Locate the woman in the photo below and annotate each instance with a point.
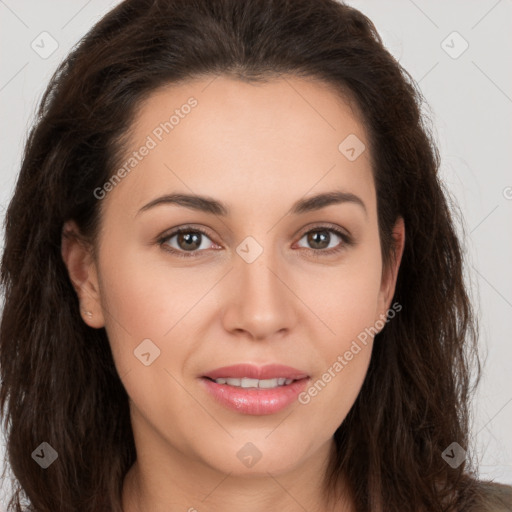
(232, 278)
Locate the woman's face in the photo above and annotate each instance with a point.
(269, 283)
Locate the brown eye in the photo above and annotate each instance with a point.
(321, 239)
(188, 240)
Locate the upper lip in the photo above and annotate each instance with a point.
(270, 371)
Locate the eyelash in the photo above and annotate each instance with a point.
(347, 241)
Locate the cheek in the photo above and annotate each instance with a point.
(328, 399)
(344, 348)
(140, 302)
(148, 297)
(345, 298)
(149, 308)
(346, 301)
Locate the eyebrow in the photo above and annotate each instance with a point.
(209, 205)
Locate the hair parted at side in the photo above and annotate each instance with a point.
(59, 383)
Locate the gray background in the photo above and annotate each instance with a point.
(470, 97)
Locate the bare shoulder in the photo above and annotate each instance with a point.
(493, 497)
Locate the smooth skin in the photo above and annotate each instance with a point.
(257, 148)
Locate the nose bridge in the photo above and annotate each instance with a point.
(261, 303)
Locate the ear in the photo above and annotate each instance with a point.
(77, 256)
(390, 274)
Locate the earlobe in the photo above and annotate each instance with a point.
(77, 256)
(389, 275)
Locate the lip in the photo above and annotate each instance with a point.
(255, 401)
(269, 371)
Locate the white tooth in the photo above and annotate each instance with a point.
(269, 383)
(249, 383)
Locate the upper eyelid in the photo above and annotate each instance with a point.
(186, 228)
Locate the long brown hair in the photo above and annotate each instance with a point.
(59, 382)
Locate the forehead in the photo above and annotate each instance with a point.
(304, 106)
(217, 133)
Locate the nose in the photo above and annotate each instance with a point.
(261, 301)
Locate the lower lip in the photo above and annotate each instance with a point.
(254, 401)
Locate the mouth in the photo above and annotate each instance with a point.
(253, 390)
